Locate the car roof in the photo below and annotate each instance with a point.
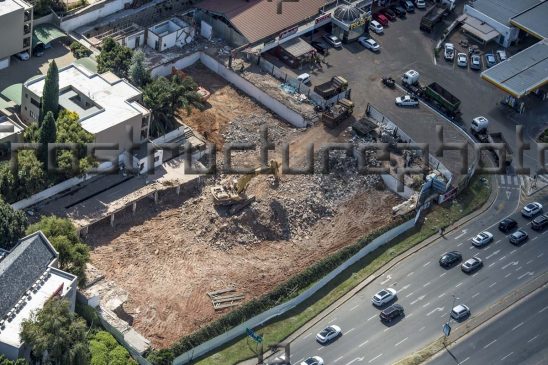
(508, 220)
(459, 308)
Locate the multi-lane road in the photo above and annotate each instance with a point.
(516, 336)
(426, 291)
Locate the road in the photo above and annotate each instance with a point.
(425, 290)
(517, 336)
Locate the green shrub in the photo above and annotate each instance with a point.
(105, 350)
(79, 50)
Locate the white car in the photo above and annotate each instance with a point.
(459, 312)
(384, 296)
(376, 27)
(502, 55)
(304, 78)
(332, 40)
(420, 4)
(328, 334)
(449, 51)
(531, 209)
(23, 56)
(407, 100)
(479, 124)
(314, 360)
(482, 239)
(462, 60)
(369, 43)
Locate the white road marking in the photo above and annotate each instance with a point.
(491, 264)
(492, 285)
(511, 252)
(489, 344)
(462, 234)
(460, 244)
(518, 269)
(408, 295)
(426, 305)
(350, 330)
(534, 238)
(459, 284)
(375, 358)
(402, 341)
(388, 278)
(428, 263)
(541, 254)
(524, 275)
(337, 359)
(386, 329)
(418, 299)
(505, 357)
(528, 262)
(543, 309)
(510, 264)
(370, 318)
(475, 295)
(493, 254)
(428, 283)
(477, 272)
(471, 247)
(411, 273)
(497, 242)
(404, 288)
(442, 275)
(507, 275)
(420, 329)
(502, 258)
(354, 307)
(408, 315)
(534, 338)
(363, 344)
(438, 309)
(360, 359)
(332, 320)
(517, 326)
(463, 361)
(308, 335)
(441, 295)
(320, 348)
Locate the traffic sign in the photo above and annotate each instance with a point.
(257, 338)
(446, 329)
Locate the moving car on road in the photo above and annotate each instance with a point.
(531, 209)
(507, 224)
(539, 222)
(384, 296)
(518, 237)
(376, 27)
(391, 313)
(332, 40)
(490, 60)
(407, 100)
(450, 259)
(328, 334)
(459, 312)
(471, 265)
(449, 51)
(462, 60)
(475, 62)
(314, 360)
(482, 239)
(369, 43)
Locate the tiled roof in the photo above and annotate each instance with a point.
(22, 267)
(258, 19)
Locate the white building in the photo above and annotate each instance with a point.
(28, 278)
(170, 33)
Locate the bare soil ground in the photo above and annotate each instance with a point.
(180, 251)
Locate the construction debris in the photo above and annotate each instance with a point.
(225, 298)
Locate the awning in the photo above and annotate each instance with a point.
(297, 47)
(13, 93)
(478, 28)
(45, 33)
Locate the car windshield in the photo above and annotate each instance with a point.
(482, 235)
(382, 293)
(530, 206)
(310, 362)
(491, 58)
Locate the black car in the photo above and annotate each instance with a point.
(507, 224)
(321, 47)
(391, 313)
(400, 12)
(539, 222)
(450, 259)
(390, 15)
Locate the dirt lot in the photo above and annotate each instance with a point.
(185, 247)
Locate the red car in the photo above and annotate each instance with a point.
(381, 19)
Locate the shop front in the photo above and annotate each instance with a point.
(349, 23)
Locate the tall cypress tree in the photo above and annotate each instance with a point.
(48, 134)
(50, 94)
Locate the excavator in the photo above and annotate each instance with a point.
(231, 192)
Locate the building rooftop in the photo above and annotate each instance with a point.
(101, 101)
(533, 20)
(522, 73)
(8, 6)
(503, 10)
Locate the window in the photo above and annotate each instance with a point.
(144, 123)
(26, 96)
(35, 102)
(33, 115)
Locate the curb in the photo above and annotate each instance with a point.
(486, 206)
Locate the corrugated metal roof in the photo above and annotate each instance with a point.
(533, 20)
(297, 47)
(503, 10)
(478, 28)
(258, 19)
(522, 73)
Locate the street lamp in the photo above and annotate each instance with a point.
(447, 326)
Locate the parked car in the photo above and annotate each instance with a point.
(314, 360)
(390, 14)
(328, 334)
(471, 265)
(332, 40)
(539, 222)
(369, 43)
(391, 313)
(450, 259)
(449, 51)
(518, 237)
(321, 47)
(507, 224)
(407, 100)
(482, 239)
(381, 19)
(459, 312)
(408, 5)
(384, 296)
(23, 56)
(462, 60)
(479, 124)
(400, 12)
(490, 60)
(304, 78)
(475, 62)
(420, 4)
(502, 55)
(376, 27)
(531, 209)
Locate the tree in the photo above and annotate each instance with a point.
(50, 93)
(114, 57)
(105, 350)
(138, 74)
(73, 254)
(79, 50)
(56, 332)
(30, 177)
(161, 357)
(4, 361)
(48, 134)
(32, 133)
(12, 225)
(69, 130)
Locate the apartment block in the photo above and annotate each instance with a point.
(15, 29)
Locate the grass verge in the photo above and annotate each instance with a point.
(441, 216)
(543, 138)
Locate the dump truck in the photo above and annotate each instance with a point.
(447, 102)
(433, 16)
(328, 89)
(338, 112)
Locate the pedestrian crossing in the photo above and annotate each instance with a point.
(512, 180)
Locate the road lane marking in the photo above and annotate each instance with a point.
(408, 315)
(493, 254)
(459, 284)
(337, 359)
(528, 262)
(420, 329)
(363, 343)
(418, 299)
(492, 285)
(370, 318)
(489, 344)
(438, 309)
(460, 244)
(386, 329)
(441, 295)
(543, 309)
(354, 307)
(517, 326)
(408, 295)
(332, 320)
(350, 330)
(541, 254)
(428, 263)
(463, 361)
(497, 242)
(507, 275)
(428, 283)
(524, 275)
(491, 264)
(471, 247)
(518, 269)
(475, 295)
(375, 358)
(477, 272)
(426, 305)
(510, 264)
(511, 252)
(534, 238)
(411, 273)
(402, 341)
(534, 338)
(388, 278)
(360, 359)
(502, 258)
(405, 287)
(505, 357)
(320, 348)
(308, 335)
(462, 234)
(442, 275)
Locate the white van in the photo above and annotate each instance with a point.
(479, 124)
(304, 78)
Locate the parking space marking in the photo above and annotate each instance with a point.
(489, 344)
(338, 358)
(375, 358)
(350, 330)
(428, 263)
(402, 341)
(354, 307)
(370, 318)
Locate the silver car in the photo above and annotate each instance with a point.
(475, 62)
(459, 312)
(471, 265)
(482, 239)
